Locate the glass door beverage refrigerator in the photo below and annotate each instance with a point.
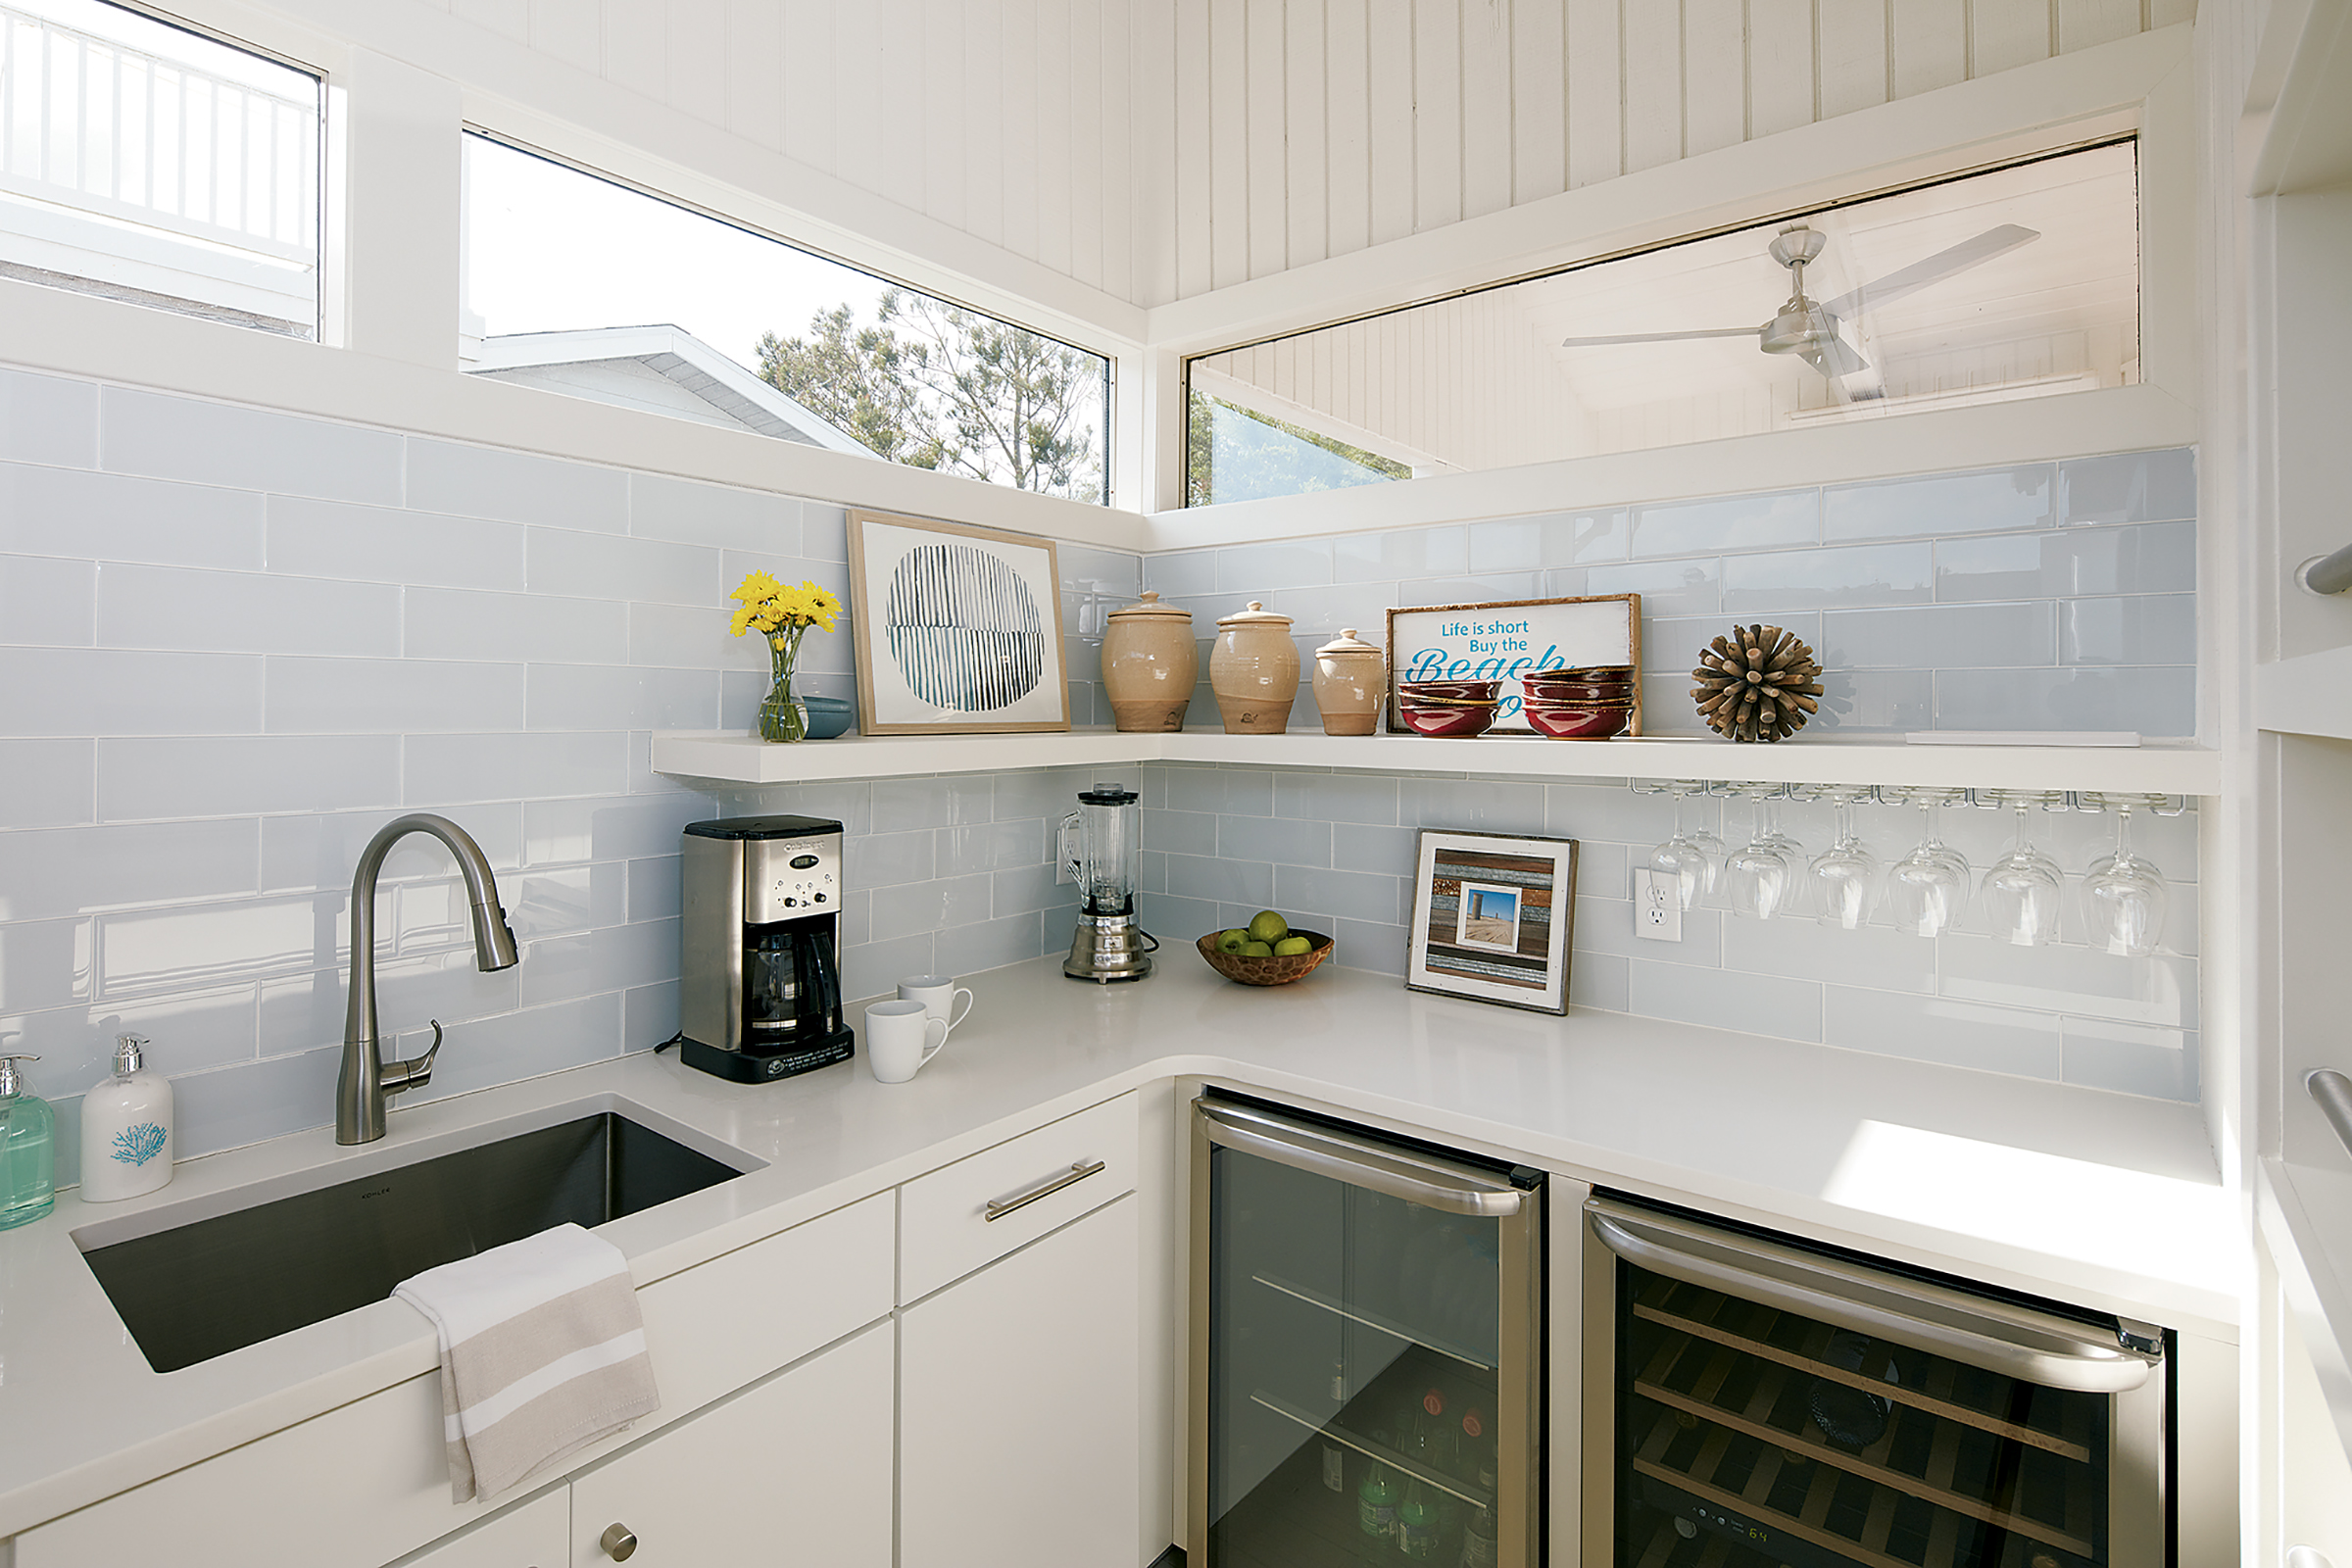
(1366, 1348)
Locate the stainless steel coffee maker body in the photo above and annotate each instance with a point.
(761, 992)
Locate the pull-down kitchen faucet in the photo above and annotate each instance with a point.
(366, 1079)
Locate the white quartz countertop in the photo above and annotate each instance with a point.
(2102, 1198)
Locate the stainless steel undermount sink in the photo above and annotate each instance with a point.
(192, 1289)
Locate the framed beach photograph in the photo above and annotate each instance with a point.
(958, 629)
(1493, 918)
(1505, 640)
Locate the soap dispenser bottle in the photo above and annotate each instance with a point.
(27, 1148)
(126, 1129)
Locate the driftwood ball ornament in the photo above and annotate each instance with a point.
(1759, 683)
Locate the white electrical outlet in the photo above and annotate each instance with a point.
(1657, 906)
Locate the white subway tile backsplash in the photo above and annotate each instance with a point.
(656, 890)
(987, 846)
(1470, 805)
(1369, 945)
(1365, 847)
(1337, 797)
(1986, 502)
(47, 418)
(108, 516)
(2141, 629)
(1499, 587)
(268, 1098)
(385, 544)
(48, 963)
(105, 691)
(2132, 487)
(824, 532)
(637, 697)
(1274, 840)
(1827, 579)
(1305, 890)
(453, 623)
(610, 958)
(391, 695)
(1443, 552)
(2144, 558)
(946, 799)
(47, 602)
(1019, 889)
(519, 1044)
(689, 513)
(239, 611)
(321, 849)
(649, 1016)
(1862, 702)
(437, 770)
(560, 901)
(626, 828)
(1939, 636)
(1739, 522)
(1604, 923)
(595, 566)
(1796, 945)
(481, 481)
(2158, 701)
(1720, 998)
(190, 1030)
(166, 437)
(1937, 1029)
(144, 952)
(144, 777)
(2132, 1059)
(51, 872)
(2062, 978)
(1688, 587)
(873, 860)
(935, 905)
(1220, 881)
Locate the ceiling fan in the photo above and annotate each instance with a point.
(1809, 329)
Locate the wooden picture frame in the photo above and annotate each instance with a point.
(1493, 918)
(958, 629)
(1470, 642)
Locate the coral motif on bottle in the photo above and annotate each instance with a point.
(137, 1144)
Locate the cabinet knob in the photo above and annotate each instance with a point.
(620, 1542)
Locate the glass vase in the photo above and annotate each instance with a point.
(783, 717)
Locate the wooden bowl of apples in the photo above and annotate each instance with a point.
(1268, 952)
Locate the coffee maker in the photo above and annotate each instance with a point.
(1097, 846)
(760, 992)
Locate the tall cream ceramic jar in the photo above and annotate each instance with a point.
(1350, 679)
(1253, 669)
(1149, 665)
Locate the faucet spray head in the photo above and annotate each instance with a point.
(493, 938)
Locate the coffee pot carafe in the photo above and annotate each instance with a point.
(761, 992)
(1097, 846)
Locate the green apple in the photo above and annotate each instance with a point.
(1231, 940)
(1289, 947)
(1257, 950)
(1268, 928)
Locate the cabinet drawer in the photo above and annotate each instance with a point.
(944, 1227)
(364, 1483)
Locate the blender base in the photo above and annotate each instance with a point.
(1105, 949)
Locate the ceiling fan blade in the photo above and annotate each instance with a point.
(1658, 337)
(1834, 357)
(1943, 264)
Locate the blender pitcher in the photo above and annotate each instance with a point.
(1097, 844)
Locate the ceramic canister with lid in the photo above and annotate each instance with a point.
(1351, 680)
(1149, 665)
(1253, 669)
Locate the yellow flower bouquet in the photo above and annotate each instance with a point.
(783, 616)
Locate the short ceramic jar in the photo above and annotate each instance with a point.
(1253, 669)
(1350, 681)
(1149, 665)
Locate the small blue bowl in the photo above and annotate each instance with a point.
(829, 716)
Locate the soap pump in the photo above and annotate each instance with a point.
(27, 1148)
(126, 1129)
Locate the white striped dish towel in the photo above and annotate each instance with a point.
(542, 1352)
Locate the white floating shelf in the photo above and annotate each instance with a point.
(732, 758)
(2307, 696)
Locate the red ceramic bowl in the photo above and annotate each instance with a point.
(1449, 691)
(1448, 721)
(1573, 722)
(1554, 689)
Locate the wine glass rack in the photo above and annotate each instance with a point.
(1983, 800)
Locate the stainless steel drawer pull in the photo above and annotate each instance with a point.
(2333, 1093)
(1080, 1170)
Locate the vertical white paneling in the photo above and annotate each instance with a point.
(1229, 142)
(1437, 112)
(944, 115)
(1927, 44)
(857, 156)
(2166, 13)
(896, 124)
(1780, 65)
(1347, 146)
(1595, 92)
(1539, 99)
(1049, 92)
(509, 18)
(754, 72)
(698, 59)
(1851, 54)
(984, 121)
(2084, 22)
(1262, 47)
(1195, 256)
(1016, 113)
(1714, 74)
(1390, 94)
(2003, 34)
(1086, 142)
(1139, 47)
(569, 31)
(1305, 117)
(1488, 130)
(1653, 85)
(636, 49)
(809, 81)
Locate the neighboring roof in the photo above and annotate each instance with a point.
(660, 367)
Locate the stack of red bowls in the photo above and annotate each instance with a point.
(1449, 710)
(1579, 705)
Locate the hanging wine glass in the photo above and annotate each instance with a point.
(1844, 875)
(1756, 879)
(1926, 889)
(2124, 903)
(1680, 857)
(2020, 893)
(1786, 843)
(1710, 843)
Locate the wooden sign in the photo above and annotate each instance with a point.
(1512, 638)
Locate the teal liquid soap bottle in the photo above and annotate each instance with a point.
(27, 1148)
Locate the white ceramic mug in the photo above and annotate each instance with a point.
(937, 992)
(900, 1039)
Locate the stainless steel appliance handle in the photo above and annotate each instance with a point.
(1999, 1335)
(1080, 1170)
(1396, 1172)
(2333, 1093)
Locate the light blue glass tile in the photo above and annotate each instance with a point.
(1471, 806)
(1205, 876)
(2131, 487)
(1402, 553)
(1181, 572)
(1598, 982)
(1555, 539)
(1689, 587)
(1939, 636)
(1937, 1029)
(1255, 569)
(2161, 1063)
(989, 945)
(254, 1100)
(2146, 559)
(1336, 796)
(1674, 643)
(1370, 944)
(1939, 503)
(2157, 701)
(2140, 630)
(1367, 846)
(1761, 1004)
(1361, 894)
(2079, 982)
(1823, 579)
(1500, 588)
(1733, 523)
(1277, 839)
(1876, 701)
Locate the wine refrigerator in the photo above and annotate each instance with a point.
(1366, 1348)
(1753, 1400)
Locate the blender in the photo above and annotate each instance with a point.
(1107, 945)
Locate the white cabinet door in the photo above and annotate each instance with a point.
(537, 1534)
(794, 1473)
(1019, 1407)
